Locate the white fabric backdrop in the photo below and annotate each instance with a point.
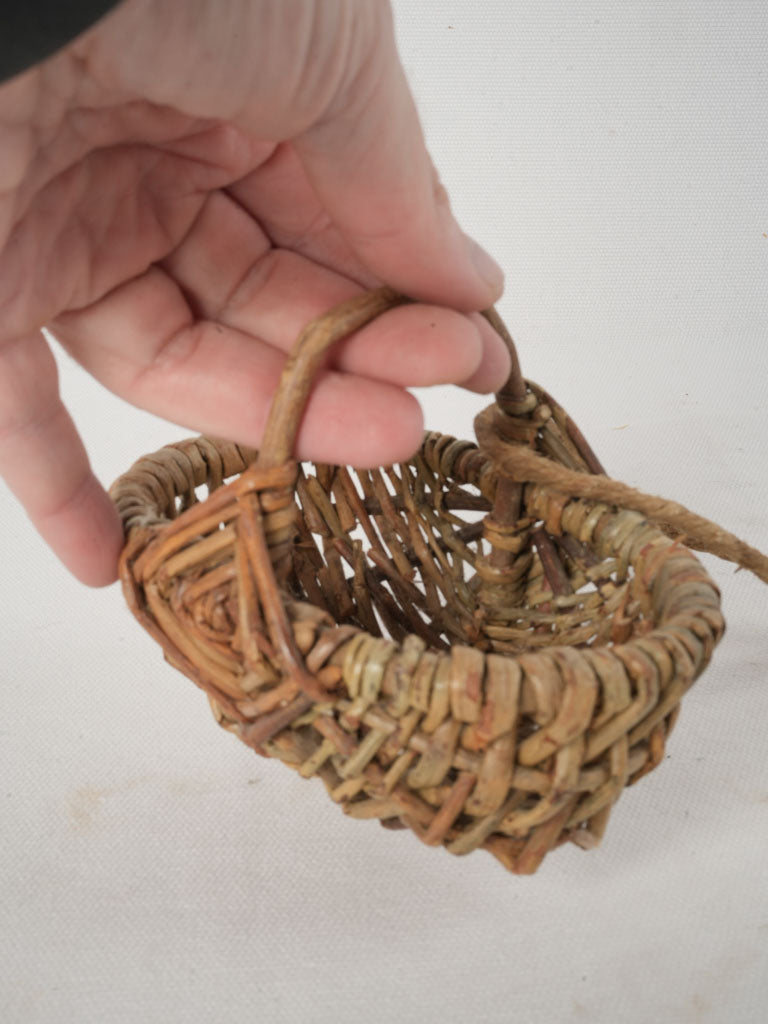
(614, 159)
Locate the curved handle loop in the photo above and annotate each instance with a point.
(306, 359)
(515, 388)
(304, 363)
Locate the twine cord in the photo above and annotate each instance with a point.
(523, 465)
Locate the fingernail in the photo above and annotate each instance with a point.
(487, 269)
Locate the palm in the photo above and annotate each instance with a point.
(118, 208)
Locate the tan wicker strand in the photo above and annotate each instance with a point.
(483, 645)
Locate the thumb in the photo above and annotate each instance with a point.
(368, 162)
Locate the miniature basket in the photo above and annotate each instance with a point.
(465, 645)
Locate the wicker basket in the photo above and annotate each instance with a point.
(450, 645)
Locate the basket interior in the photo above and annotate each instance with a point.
(411, 549)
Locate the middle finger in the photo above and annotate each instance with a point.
(231, 274)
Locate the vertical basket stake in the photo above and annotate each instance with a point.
(508, 501)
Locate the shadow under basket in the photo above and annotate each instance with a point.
(453, 645)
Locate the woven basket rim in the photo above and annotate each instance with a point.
(219, 460)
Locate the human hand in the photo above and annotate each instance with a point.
(181, 190)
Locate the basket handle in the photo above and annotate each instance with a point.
(306, 358)
(515, 388)
(305, 361)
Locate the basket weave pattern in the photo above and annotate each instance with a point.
(485, 661)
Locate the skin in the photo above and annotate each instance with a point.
(181, 189)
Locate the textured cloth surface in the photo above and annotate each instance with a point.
(32, 31)
(612, 157)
